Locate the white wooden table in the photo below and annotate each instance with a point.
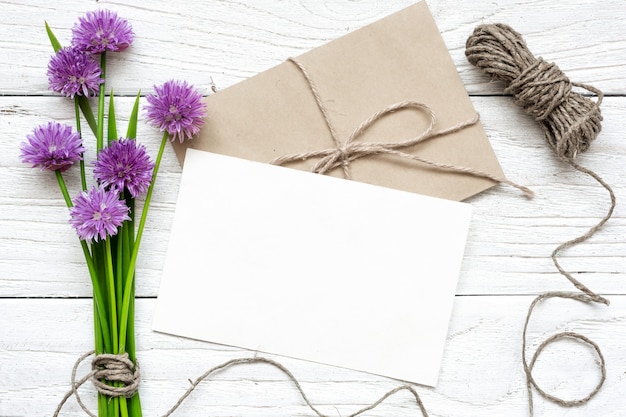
(45, 304)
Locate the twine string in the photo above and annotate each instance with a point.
(342, 154)
(570, 122)
(114, 368)
(120, 360)
(528, 366)
(579, 285)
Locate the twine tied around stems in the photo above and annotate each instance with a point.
(105, 367)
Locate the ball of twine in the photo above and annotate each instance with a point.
(570, 120)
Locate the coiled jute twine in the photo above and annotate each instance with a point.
(570, 122)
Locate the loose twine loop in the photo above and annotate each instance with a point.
(342, 154)
(570, 122)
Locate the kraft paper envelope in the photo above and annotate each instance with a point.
(338, 272)
(401, 57)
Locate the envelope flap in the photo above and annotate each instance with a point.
(401, 57)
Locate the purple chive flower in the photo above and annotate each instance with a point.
(176, 107)
(53, 146)
(124, 164)
(73, 72)
(102, 30)
(98, 213)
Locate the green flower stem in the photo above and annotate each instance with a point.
(83, 180)
(110, 278)
(63, 188)
(101, 93)
(135, 406)
(99, 297)
(120, 247)
(122, 254)
(102, 399)
(133, 258)
(128, 245)
(130, 325)
(112, 126)
(85, 107)
(103, 403)
(123, 404)
(97, 331)
(97, 291)
(134, 402)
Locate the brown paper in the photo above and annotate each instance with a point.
(401, 57)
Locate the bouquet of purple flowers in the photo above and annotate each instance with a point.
(103, 213)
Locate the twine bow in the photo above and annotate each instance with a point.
(342, 154)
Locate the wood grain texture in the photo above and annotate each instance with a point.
(229, 41)
(481, 373)
(45, 308)
(508, 251)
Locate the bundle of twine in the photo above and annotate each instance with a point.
(570, 122)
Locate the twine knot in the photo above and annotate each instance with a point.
(570, 121)
(338, 157)
(115, 368)
(343, 153)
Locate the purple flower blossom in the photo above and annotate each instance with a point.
(124, 164)
(98, 213)
(72, 72)
(102, 30)
(53, 146)
(177, 108)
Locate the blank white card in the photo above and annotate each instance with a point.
(277, 260)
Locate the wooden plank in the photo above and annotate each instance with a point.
(230, 41)
(511, 238)
(481, 374)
